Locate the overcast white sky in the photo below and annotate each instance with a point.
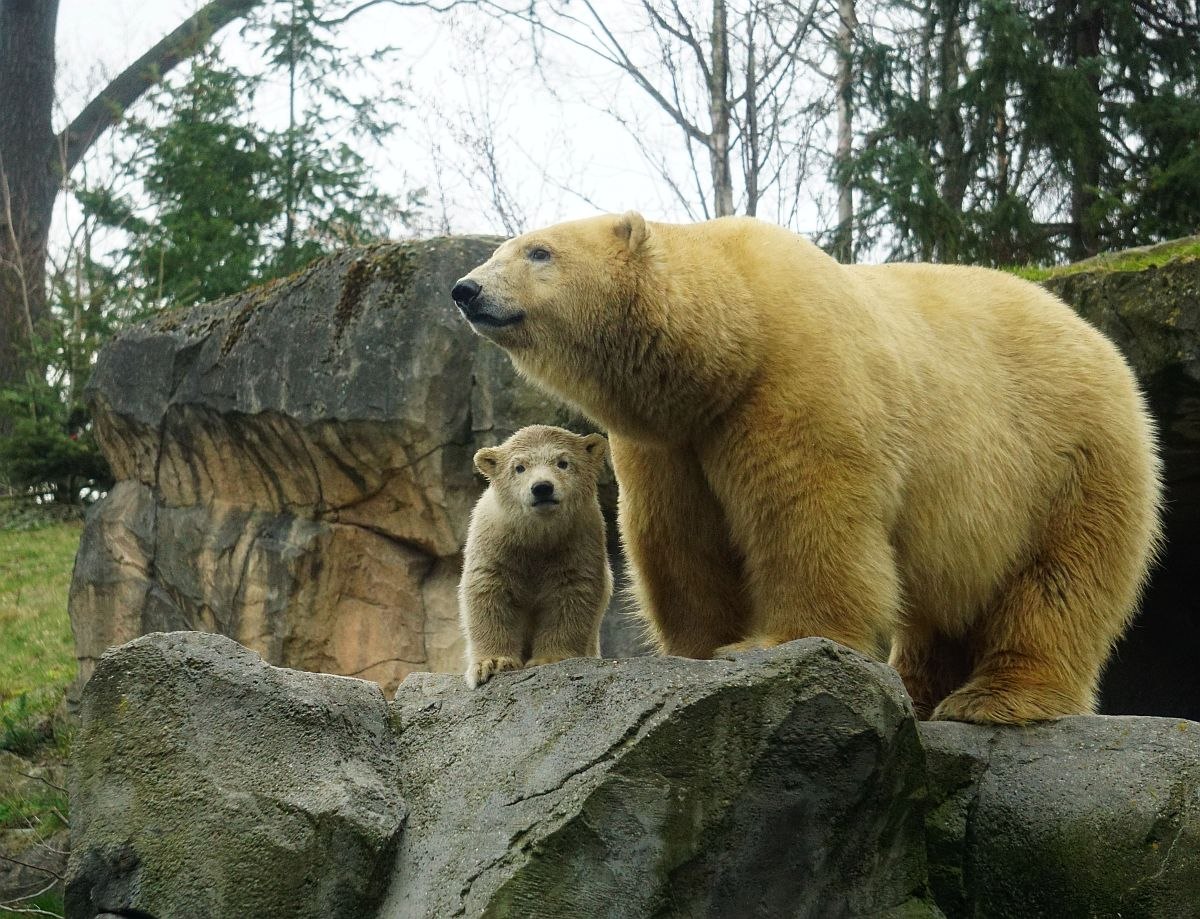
(563, 156)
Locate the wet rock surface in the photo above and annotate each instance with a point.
(788, 783)
(1086, 816)
(207, 783)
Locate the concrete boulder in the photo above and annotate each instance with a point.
(780, 784)
(1083, 817)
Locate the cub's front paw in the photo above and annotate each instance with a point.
(548, 659)
(480, 671)
(741, 647)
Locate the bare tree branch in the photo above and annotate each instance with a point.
(147, 71)
(432, 5)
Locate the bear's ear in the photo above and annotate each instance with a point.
(595, 446)
(487, 460)
(631, 227)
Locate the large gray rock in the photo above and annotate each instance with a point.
(778, 785)
(205, 783)
(1083, 817)
(294, 467)
(786, 783)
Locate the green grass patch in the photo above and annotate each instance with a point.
(50, 904)
(35, 631)
(1178, 250)
(37, 662)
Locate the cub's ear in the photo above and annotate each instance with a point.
(596, 447)
(631, 227)
(487, 461)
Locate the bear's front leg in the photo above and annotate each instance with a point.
(684, 572)
(808, 516)
(495, 626)
(569, 622)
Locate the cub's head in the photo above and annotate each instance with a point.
(553, 288)
(543, 470)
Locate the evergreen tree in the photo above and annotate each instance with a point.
(207, 179)
(1001, 131)
(222, 202)
(209, 202)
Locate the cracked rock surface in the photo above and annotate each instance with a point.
(788, 783)
(294, 467)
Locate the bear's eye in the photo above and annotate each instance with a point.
(538, 254)
(563, 464)
(520, 468)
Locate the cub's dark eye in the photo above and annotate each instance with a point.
(563, 464)
(538, 254)
(520, 468)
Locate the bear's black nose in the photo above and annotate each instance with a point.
(543, 490)
(465, 291)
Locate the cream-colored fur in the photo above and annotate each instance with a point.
(945, 457)
(536, 578)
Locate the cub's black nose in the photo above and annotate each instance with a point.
(542, 490)
(465, 291)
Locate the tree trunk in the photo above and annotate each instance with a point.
(752, 155)
(33, 160)
(843, 246)
(287, 256)
(718, 106)
(28, 178)
(955, 174)
(1085, 179)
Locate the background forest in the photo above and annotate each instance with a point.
(996, 132)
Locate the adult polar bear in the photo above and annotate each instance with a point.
(944, 456)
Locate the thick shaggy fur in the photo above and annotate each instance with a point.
(945, 458)
(536, 578)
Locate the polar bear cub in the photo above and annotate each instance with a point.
(536, 578)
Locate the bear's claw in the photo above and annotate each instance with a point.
(480, 671)
(741, 647)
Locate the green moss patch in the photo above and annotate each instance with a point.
(1140, 259)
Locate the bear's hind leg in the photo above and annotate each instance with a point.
(1041, 647)
(931, 664)
(1033, 664)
